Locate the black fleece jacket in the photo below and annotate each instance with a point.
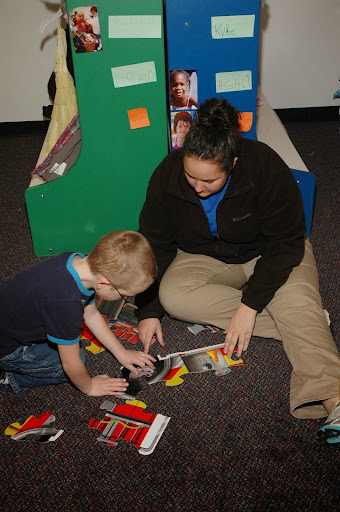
(260, 214)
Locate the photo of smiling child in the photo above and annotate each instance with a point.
(183, 89)
(181, 124)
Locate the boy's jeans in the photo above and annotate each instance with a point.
(34, 365)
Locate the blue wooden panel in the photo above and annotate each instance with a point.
(306, 182)
(190, 46)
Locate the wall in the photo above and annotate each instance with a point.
(299, 55)
(27, 58)
(299, 52)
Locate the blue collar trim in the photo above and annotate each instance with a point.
(75, 275)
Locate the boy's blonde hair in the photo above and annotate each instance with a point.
(125, 258)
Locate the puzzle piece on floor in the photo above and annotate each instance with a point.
(196, 328)
(110, 309)
(95, 346)
(122, 331)
(131, 423)
(38, 426)
(119, 310)
(172, 367)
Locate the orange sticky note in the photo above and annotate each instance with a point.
(138, 118)
(245, 121)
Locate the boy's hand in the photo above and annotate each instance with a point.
(104, 385)
(149, 331)
(129, 358)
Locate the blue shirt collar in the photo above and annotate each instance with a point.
(75, 275)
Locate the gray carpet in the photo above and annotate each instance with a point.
(231, 443)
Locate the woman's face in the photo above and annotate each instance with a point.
(179, 85)
(206, 177)
(183, 127)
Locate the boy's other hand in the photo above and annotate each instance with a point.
(150, 331)
(129, 358)
(104, 385)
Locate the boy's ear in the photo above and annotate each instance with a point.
(101, 282)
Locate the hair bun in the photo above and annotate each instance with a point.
(219, 114)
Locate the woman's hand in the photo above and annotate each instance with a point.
(239, 330)
(129, 358)
(102, 385)
(149, 331)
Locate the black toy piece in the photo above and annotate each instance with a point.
(144, 378)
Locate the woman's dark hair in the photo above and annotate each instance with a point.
(216, 134)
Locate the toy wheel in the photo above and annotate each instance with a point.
(161, 370)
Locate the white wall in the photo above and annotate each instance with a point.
(26, 58)
(300, 52)
(299, 55)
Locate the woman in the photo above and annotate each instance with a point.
(224, 212)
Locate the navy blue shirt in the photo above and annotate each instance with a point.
(44, 302)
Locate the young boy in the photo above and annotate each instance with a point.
(43, 307)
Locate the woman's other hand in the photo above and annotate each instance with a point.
(239, 330)
(150, 331)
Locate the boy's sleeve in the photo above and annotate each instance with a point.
(62, 321)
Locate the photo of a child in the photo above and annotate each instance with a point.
(181, 124)
(85, 29)
(183, 89)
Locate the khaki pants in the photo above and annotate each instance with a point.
(201, 289)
